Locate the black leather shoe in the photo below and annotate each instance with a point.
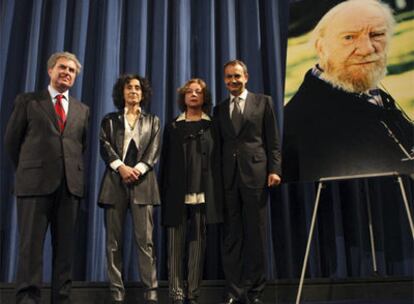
(231, 301)
(178, 301)
(256, 301)
(192, 301)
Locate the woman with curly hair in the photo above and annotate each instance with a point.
(129, 146)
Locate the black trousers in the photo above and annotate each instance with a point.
(34, 214)
(244, 241)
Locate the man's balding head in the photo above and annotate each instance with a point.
(351, 41)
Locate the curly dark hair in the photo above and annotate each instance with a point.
(207, 104)
(118, 90)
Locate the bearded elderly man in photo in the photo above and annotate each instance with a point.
(340, 123)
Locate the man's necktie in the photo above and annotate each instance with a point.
(131, 155)
(236, 115)
(61, 115)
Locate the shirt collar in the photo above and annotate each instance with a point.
(317, 71)
(181, 117)
(126, 110)
(53, 92)
(242, 96)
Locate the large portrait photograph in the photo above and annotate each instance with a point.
(349, 98)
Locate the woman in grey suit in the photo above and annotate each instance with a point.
(130, 146)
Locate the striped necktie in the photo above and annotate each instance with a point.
(61, 115)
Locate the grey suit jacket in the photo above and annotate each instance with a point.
(42, 156)
(255, 150)
(111, 137)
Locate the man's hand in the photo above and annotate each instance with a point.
(129, 174)
(273, 180)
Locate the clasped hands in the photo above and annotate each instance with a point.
(129, 174)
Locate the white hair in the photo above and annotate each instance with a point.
(325, 23)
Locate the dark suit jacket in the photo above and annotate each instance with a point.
(329, 132)
(40, 153)
(255, 150)
(111, 147)
(173, 176)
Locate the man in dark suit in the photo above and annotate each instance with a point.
(250, 161)
(45, 138)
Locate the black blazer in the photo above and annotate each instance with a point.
(256, 149)
(173, 175)
(40, 153)
(111, 140)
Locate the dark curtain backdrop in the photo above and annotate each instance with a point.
(170, 42)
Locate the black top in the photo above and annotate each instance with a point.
(193, 154)
(198, 141)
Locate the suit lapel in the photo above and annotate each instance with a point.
(249, 107)
(119, 131)
(71, 115)
(47, 105)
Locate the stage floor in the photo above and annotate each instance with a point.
(377, 290)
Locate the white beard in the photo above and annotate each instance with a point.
(354, 79)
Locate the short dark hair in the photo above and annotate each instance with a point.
(236, 62)
(118, 90)
(207, 102)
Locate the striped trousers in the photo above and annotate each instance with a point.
(186, 244)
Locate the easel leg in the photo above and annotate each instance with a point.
(407, 207)
(370, 227)
(312, 226)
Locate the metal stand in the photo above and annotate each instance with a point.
(315, 211)
(312, 226)
(371, 229)
(407, 207)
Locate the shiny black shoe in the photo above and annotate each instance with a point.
(256, 301)
(231, 301)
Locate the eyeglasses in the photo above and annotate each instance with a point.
(190, 91)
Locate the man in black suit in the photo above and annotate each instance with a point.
(45, 138)
(250, 161)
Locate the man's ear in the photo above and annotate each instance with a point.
(319, 47)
